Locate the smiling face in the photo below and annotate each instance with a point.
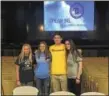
(67, 45)
(42, 47)
(57, 39)
(26, 50)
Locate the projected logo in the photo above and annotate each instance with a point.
(76, 10)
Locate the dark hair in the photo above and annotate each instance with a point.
(73, 49)
(46, 52)
(57, 34)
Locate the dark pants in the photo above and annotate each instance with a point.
(73, 87)
(43, 86)
(27, 84)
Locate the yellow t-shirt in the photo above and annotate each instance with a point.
(58, 64)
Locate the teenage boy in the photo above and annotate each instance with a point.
(58, 64)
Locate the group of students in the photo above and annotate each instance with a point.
(58, 67)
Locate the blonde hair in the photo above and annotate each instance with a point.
(21, 56)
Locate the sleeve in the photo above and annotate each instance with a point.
(48, 59)
(17, 62)
(79, 59)
(36, 57)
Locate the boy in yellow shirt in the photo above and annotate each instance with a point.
(58, 65)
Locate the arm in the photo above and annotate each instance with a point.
(17, 76)
(79, 60)
(17, 72)
(79, 70)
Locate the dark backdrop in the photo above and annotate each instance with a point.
(17, 16)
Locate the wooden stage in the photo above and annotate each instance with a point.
(95, 74)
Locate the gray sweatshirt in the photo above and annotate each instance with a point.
(73, 66)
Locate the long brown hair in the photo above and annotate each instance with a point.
(75, 53)
(46, 52)
(22, 54)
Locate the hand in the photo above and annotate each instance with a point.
(48, 60)
(18, 83)
(77, 81)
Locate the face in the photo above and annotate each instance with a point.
(26, 49)
(57, 39)
(42, 47)
(67, 45)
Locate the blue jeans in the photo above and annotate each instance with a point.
(43, 86)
